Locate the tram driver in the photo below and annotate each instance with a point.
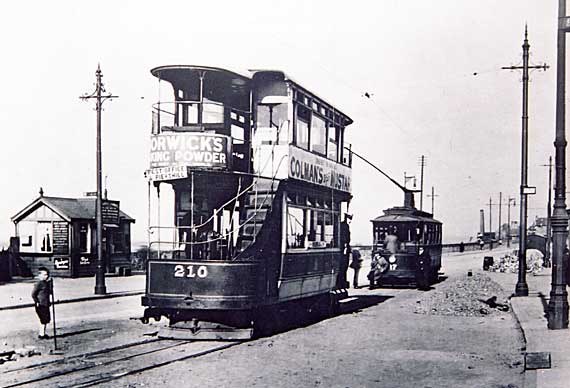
(345, 247)
(392, 243)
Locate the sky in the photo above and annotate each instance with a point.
(432, 71)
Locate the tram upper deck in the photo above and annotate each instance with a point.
(219, 119)
(246, 152)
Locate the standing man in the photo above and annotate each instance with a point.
(356, 264)
(345, 247)
(41, 296)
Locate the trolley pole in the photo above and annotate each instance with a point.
(521, 289)
(558, 304)
(100, 288)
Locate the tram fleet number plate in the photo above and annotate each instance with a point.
(190, 271)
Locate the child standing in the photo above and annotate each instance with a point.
(41, 295)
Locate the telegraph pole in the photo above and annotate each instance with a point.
(513, 200)
(422, 164)
(490, 215)
(100, 288)
(500, 203)
(521, 288)
(547, 262)
(433, 195)
(558, 304)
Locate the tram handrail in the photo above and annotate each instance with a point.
(258, 177)
(256, 209)
(204, 223)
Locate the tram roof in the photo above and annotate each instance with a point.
(405, 214)
(239, 80)
(298, 85)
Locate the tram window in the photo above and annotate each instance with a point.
(271, 116)
(213, 112)
(329, 228)
(318, 135)
(237, 134)
(332, 148)
(302, 128)
(295, 227)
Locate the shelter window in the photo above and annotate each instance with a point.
(45, 236)
(302, 127)
(318, 135)
(84, 239)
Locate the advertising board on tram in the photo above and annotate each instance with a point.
(190, 149)
(318, 170)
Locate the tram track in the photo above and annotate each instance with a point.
(89, 369)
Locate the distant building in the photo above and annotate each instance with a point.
(60, 234)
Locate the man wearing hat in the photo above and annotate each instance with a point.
(345, 247)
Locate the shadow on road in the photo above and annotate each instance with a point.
(296, 316)
(357, 303)
(78, 332)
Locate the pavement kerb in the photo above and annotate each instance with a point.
(79, 299)
(514, 309)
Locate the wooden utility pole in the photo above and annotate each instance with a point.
(500, 203)
(521, 288)
(490, 215)
(432, 196)
(513, 200)
(100, 288)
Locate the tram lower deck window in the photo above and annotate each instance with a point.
(311, 228)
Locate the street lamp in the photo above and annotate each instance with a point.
(558, 303)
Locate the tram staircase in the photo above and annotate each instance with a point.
(257, 207)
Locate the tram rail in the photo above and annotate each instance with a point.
(93, 368)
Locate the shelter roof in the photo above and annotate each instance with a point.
(67, 208)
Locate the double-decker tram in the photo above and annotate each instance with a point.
(408, 241)
(259, 175)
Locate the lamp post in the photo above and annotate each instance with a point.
(558, 303)
(100, 288)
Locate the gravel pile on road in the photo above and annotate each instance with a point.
(470, 296)
(510, 262)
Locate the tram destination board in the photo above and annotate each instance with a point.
(168, 173)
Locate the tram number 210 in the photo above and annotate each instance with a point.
(189, 271)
